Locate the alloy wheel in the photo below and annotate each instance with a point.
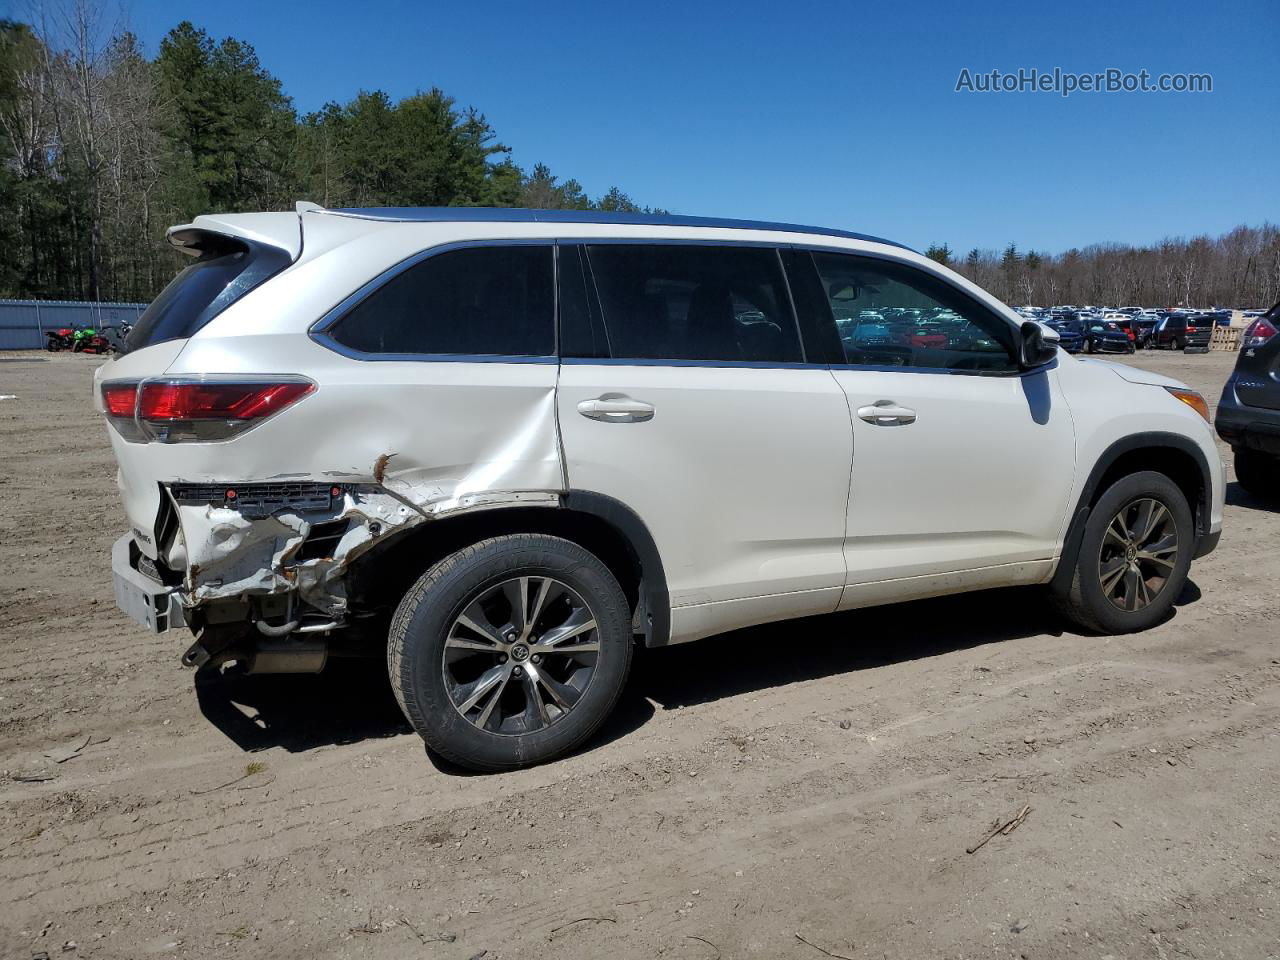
(520, 655)
(1138, 555)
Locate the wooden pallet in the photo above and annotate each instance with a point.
(1225, 338)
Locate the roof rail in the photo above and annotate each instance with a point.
(521, 215)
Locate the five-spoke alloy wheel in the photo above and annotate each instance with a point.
(1134, 555)
(511, 651)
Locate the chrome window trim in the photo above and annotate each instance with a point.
(317, 331)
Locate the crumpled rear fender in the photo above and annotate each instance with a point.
(226, 552)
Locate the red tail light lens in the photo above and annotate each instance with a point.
(205, 400)
(119, 399)
(1259, 332)
(197, 409)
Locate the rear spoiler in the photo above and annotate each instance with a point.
(223, 232)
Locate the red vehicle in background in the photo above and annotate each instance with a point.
(926, 335)
(1123, 321)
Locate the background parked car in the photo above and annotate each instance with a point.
(1070, 334)
(1181, 330)
(1249, 411)
(1144, 326)
(1125, 323)
(1106, 337)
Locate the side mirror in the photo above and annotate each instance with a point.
(1036, 346)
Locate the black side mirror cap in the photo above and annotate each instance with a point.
(1035, 348)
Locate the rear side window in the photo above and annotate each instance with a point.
(475, 301)
(694, 302)
(224, 272)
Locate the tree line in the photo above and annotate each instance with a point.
(103, 148)
(1239, 269)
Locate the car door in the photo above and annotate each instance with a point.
(684, 393)
(962, 464)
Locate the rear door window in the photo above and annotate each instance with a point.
(695, 302)
(474, 301)
(227, 270)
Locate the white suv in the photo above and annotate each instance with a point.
(507, 444)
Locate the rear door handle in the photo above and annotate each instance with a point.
(616, 408)
(886, 413)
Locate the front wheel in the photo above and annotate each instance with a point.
(510, 652)
(1134, 557)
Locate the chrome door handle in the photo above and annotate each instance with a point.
(886, 413)
(615, 408)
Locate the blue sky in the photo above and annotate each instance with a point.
(840, 114)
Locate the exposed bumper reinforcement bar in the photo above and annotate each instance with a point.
(155, 606)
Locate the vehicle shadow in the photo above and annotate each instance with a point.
(794, 651)
(348, 703)
(1238, 496)
(352, 701)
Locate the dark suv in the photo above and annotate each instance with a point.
(1249, 411)
(1181, 330)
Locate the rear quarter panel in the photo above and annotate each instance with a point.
(139, 490)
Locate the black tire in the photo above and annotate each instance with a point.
(422, 622)
(1085, 602)
(1258, 473)
(1179, 343)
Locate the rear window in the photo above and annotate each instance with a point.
(221, 276)
(474, 301)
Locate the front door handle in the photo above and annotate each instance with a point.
(886, 413)
(616, 408)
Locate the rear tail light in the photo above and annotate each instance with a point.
(119, 402)
(1259, 332)
(119, 399)
(197, 409)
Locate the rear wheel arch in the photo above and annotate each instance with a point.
(1171, 454)
(600, 524)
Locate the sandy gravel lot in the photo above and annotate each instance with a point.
(795, 791)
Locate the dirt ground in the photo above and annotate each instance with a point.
(796, 791)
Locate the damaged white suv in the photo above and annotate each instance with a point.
(505, 446)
